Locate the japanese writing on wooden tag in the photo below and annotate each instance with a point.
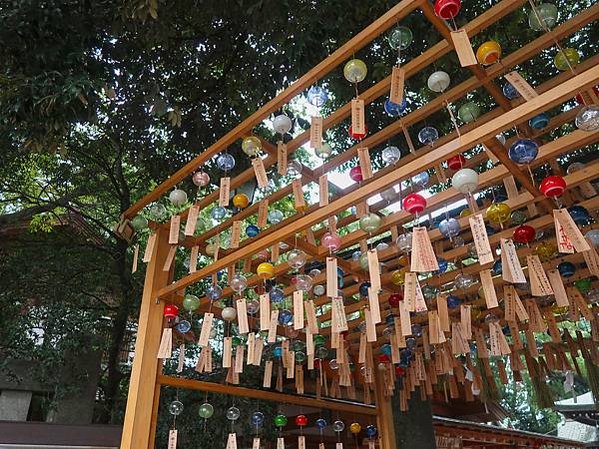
(521, 85)
(569, 237)
(262, 213)
(232, 441)
(365, 163)
(539, 284)
(235, 234)
(316, 129)
(323, 187)
(423, 256)
(264, 311)
(172, 439)
(481, 240)
(398, 77)
(260, 172)
(267, 378)
(193, 259)
(511, 268)
(591, 258)
(358, 121)
(489, 289)
(311, 317)
(227, 352)
(206, 329)
(224, 192)
(298, 194)
(298, 309)
(192, 220)
(466, 320)
(338, 315)
(332, 279)
(272, 326)
(463, 48)
(173, 236)
(557, 285)
(281, 158)
(242, 316)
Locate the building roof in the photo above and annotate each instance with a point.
(574, 430)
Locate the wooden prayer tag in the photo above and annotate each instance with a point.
(256, 443)
(260, 172)
(232, 441)
(172, 439)
(521, 85)
(463, 48)
(489, 289)
(398, 76)
(165, 350)
(316, 129)
(409, 291)
(227, 352)
(264, 312)
(206, 329)
(242, 316)
(374, 269)
(170, 258)
(267, 378)
(272, 326)
(235, 234)
(323, 187)
(298, 310)
(370, 326)
(591, 258)
(173, 236)
(365, 163)
(443, 312)
(281, 158)
(192, 220)
(339, 313)
(374, 305)
(332, 284)
(539, 284)
(569, 237)
(193, 258)
(298, 195)
(423, 256)
(358, 120)
(466, 320)
(135, 258)
(224, 192)
(481, 240)
(149, 248)
(262, 213)
(311, 317)
(511, 268)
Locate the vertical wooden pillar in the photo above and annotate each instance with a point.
(384, 415)
(138, 415)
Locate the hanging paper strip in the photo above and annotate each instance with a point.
(409, 291)
(281, 158)
(232, 441)
(404, 317)
(423, 256)
(181, 358)
(170, 258)
(242, 316)
(374, 305)
(264, 312)
(459, 343)
(193, 259)
(569, 237)
(311, 317)
(175, 224)
(227, 352)
(135, 258)
(481, 239)
(262, 213)
(370, 326)
(316, 130)
(338, 317)
(443, 313)
(272, 326)
(267, 378)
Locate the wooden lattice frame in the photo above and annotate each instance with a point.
(142, 407)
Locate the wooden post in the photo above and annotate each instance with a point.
(384, 415)
(138, 416)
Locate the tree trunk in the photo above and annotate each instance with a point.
(414, 428)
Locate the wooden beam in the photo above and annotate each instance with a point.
(138, 416)
(359, 41)
(303, 400)
(485, 131)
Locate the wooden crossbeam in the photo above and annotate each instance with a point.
(525, 111)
